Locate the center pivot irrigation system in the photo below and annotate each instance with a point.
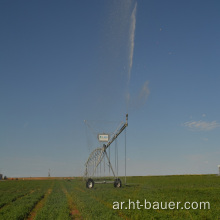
(99, 155)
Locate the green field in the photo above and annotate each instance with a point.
(70, 199)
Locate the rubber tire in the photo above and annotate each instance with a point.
(90, 183)
(117, 183)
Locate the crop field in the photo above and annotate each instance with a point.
(154, 197)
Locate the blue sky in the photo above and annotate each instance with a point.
(63, 62)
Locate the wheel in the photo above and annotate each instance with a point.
(90, 183)
(117, 183)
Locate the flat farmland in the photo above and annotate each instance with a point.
(151, 197)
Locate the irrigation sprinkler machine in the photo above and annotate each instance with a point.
(99, 159)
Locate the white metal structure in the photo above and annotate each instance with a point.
(98, 155)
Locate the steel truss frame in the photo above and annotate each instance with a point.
(96, 157)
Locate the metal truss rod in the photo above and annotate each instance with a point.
(119, 132)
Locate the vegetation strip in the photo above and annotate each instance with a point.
(39, 205)
(74, 212)
(21, 208)
(15, 199)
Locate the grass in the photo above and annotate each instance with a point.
(70, 199)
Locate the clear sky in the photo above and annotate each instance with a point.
(63, 62)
